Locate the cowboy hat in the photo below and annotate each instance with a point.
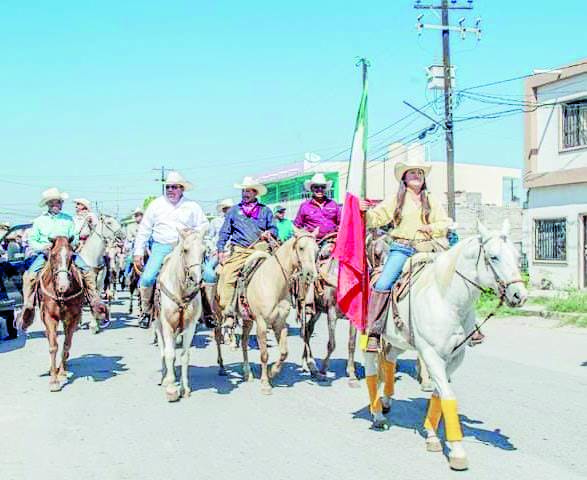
(226, 203)
(249, 182)
(317, 179)
(175, 178)
(279, 208)
(138, 210)
(52, 194)
(83, 201)
(402, 167)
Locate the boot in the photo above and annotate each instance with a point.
(27, 315)
(147, 306)
(376, 318)
(89, 281)
(229, 312)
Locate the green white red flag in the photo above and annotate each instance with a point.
(353, 277)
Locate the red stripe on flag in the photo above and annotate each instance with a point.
(353, 277)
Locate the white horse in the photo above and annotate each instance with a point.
(438, 318)
(106, 230)
(180, 305)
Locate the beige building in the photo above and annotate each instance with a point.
(555, 156)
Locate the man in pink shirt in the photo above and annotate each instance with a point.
(322, 213)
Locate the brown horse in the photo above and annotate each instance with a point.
(60, 295)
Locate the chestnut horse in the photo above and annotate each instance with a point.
(61, 295)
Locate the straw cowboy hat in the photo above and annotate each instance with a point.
(138, 210)
(410, 164)
(52, 194)
(175, 178)
(83, 201)
(249, 182)
(226, 203)
(317, 179)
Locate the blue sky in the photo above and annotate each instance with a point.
(95, 94)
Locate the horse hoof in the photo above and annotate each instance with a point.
(433, 444)
(319, 376)
(354, 383)
(458, 463)
(222, 372)
(266, 390)
(380, 425)
(172, 395)
(385, 409)
(54, 387)
(187, 393)
(95, 330)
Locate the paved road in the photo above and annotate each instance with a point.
(522, 397)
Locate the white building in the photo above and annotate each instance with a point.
(555, 156)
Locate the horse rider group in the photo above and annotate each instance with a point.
(414, 215)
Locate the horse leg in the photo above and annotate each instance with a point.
(388, 363)
(308, 359)
(219, 359)
(188, 335)
(51, 329)
(372, 381)
(437, 368)
(171, 390)
(331, 318)
(281, 337)
(69, 328)
(262, 339)
(161, 345)
(423, 376)
(350, 366)
(247, 374)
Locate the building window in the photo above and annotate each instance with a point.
(550, 239)
(575, 124)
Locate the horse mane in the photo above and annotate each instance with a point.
(443, 268)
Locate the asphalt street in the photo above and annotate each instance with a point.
(522, 398)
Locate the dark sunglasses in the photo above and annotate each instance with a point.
(172, 187)
(319, 187)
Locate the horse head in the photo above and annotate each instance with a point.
(60, 259)
(305, 250)
(192, 253)
(110, 229)
(498, 265)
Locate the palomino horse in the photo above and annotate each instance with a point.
(438, 322)
(180, 306)
(267, 300)
(61, 295)
(106, 230)
(325, 302)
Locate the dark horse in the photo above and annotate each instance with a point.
(61, 294)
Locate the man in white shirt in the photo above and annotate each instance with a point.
(165, 216)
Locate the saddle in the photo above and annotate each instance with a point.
(244, 277)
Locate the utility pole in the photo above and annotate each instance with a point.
(162, 169)
(445, 27)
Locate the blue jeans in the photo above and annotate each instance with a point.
(398, 256)
(158, 253)
(40, 260)
(209, 269)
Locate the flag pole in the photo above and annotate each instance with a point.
(365, 64)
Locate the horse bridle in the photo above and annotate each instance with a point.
(298, 265)
(118, 234)
(60, 298)
(188, 297)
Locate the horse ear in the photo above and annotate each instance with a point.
(71, 239)
(483, 231)
(316, 232)
(183, 233)
(298, 231)
(505, 228)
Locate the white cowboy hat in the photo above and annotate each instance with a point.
(175, 178)
(249, 182)
(410, 164)
(138, 210)
(84, 201)
(317, 179)
(226, 203)
(52, 194)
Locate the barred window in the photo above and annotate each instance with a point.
(550, 239)
(575, 124)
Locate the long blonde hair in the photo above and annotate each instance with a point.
(401, 199)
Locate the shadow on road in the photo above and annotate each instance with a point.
(584, 364)
(410, 414)
(15, 344)
(207, 378)
(95, 366)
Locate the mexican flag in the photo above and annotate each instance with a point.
(353, 277)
